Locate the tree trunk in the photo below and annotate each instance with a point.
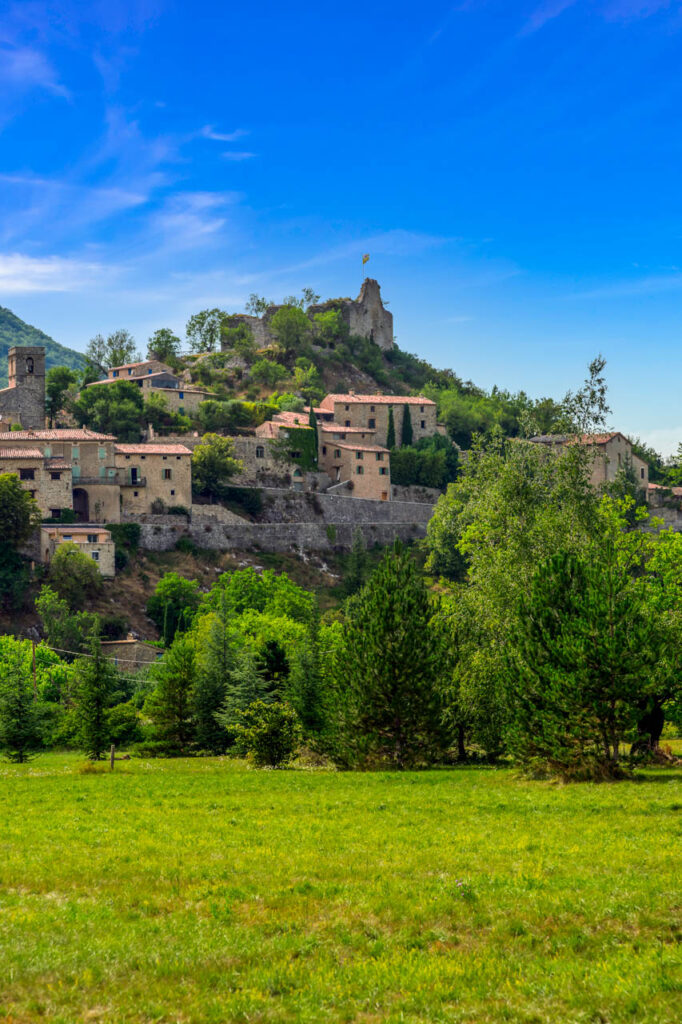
(649, 729)
(461, 749)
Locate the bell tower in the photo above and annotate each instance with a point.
(26, 373)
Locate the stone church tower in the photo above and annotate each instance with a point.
(24, 400)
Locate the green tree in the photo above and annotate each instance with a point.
(74, 575)
(156, 412)
(112, 409)
(65, 630)
(331, 328)
(94, 686)
(390, 686)
(291, 328)
(390, 431)
(213, 464)
(268, 373)
(268, 733)
(15, 578)
(116, 349)
(19, 512)
(257, 304)
(59, 382)
(164, 345)
(358, 565)
(173, 605)
(204, 330)
(582, 648)
(170, 704)
(19, 717)
(406, 432)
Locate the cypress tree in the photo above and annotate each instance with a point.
(19, 733)
(312, 420)
(95, 688)
(406, 432)
(390, 431)
(390, 670)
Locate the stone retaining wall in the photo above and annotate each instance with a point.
(284, 506)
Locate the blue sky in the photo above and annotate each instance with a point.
(512, 168)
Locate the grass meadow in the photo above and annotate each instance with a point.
(201, 891)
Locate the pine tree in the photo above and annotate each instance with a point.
(95, 685)
(312, 420)
(406, 433)
(356, 573)
(170, 704)
(390, 430)
(390, 683)
(19, 732)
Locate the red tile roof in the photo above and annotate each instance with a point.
(152, 449)
(329, 400)
(142, 362)
(58, 434)
(20, 453)
(336, 428)
(361, 447)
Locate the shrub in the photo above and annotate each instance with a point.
(268, 733)
(74, 575)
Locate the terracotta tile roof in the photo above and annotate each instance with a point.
(152, 449)
(20, 453)
(294, 419)
(337, 428)
(58, 434)
(329, 400)
(676, 491)
(362, 447)
(57, 463)
(76, 529)
(268, 429)
(142, 362)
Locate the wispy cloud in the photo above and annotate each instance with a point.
(20, 274)
(209, 132)
(547, 11)
(237, 156)
(23, 68)
(610, 10)
(649, 285)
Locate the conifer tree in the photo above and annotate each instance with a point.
(390, 682)
(356, 573)
(19, 732)
(406, 433)
(170, 704)
(390, 430)
(95, 685)
(312, 421)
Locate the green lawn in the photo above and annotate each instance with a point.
(200, 891)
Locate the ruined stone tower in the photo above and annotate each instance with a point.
(24, 400)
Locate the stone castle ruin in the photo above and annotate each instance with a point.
(365, 316)
(23, 402)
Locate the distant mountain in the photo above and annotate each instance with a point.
(14, 331)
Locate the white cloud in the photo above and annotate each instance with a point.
(20, 274)
(664, 440)
(23, 68)
(209, 132)
(237, 155)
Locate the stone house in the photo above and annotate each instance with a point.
(153, 472)
(364, 468)
(93, 541)
(370, 413)
(179, 398)
(48, 480)
(130, 654)
(23, 401)
(140, 369)
(612, 452)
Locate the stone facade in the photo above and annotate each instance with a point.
(141, 369)
(91, 540)
(147, 473)
(612, 452)
(365, 316)
(179, 397)
(370, 413)
(364, 468)
(23, 402)
(47, 480)
(130, 655)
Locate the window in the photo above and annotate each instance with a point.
(150, 370)
(422, 424)
(371, 423)
(102, 453)
(48, 451)
(128, 457)
(347, 423)
(167, 474)
(55, 476)
(347, 408)
(55, 513)
(130, 373)
(177, 458)
(421, 408)
(165, 458)
(102, 472)
(384, 495)
(27, 474)
(380, 456)
(359, 455)
(92, 538)
(135, 494)
(32, 493)
(371, 408)
(114, 373)
(76, 472)
(75, 451)
(172, 492)
(95, 555)
(181, 410)
(641, 472)
(260, 452)
(67, 536)
(324, 449)
(143, 457)
(619, 458)
(182, 394)
(383, 471)
(337, 453)
(359, 470)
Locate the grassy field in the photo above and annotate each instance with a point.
(200, 891)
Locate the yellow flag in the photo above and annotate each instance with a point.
(365, 258)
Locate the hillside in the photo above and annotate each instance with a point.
(14, 331)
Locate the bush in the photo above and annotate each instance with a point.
(268, 733)
(248, 498)
(114, 627)
(177, 510)
(74, 575)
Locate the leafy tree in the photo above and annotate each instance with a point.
(291, 328)
(15, 578)
(268, 733)
(164, 345)
(257, 304)
(204, 329)
(19, 512)
(331, 327)
(358, 565)
(170, 704)
(74, 575)
(390, 685)
(406, 432)
(267, 373)
(65, 630)
(308, 380)
(95, 686)
(19, 719)
(241, 341)
(117, 348)
(155, 411)
(582, 646)
(213, 463)
(112, 409)
(225, 415)
(390, 431)
(59, 382)
(173, 604)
